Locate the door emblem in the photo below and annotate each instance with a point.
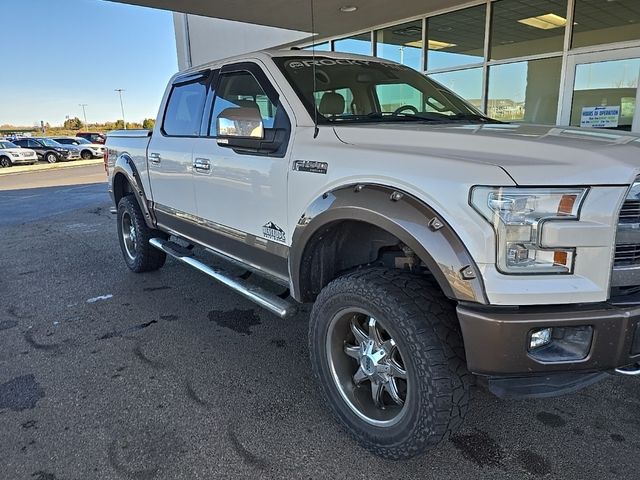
(311, 166)
(273, 232)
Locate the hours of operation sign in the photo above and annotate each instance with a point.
(600, 117)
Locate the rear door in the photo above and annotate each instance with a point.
(34, 145)
(171, 148)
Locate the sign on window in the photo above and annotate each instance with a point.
(600, 117)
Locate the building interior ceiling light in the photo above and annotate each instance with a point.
(545, 22)
(437, 45)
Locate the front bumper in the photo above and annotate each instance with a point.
(496, 339)
(24, 160)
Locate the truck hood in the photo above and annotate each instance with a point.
(530, 154)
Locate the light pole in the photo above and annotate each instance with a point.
(124, 122)
(84, 113)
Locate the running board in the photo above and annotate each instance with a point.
(265, 299)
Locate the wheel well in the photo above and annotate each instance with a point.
(121, 187)
(346, 244)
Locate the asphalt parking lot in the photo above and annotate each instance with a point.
(105, 374)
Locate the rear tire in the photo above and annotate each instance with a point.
(419, 378)
(134, 236)
(5, 162)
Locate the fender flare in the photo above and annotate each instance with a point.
(409, 219)
(124, 165)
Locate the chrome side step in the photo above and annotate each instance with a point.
(633, 371)
(265, 299)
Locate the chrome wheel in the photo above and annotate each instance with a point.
(52, 158)
(5, 162)
(367, 367)
(129, 235)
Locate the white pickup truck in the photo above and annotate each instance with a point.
(439, 247)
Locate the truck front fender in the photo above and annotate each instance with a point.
(125, 180)
(408, 219)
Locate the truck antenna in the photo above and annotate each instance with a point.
(316, 130)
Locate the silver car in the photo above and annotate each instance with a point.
(87, 149)
(12, 154)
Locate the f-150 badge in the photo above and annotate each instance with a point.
(273, 232)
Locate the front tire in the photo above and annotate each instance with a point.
(5, 162)
(51, 157)
(86, 155)
(134, 236)
(389, 360)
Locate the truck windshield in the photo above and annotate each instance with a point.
(366, 91)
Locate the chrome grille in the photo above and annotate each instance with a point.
(626, 263)
(630, 212)
(627, 255)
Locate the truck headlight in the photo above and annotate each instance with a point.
(518, 215)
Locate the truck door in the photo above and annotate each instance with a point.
(242, 195)
(171, 148)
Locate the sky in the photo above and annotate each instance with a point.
(59, 54)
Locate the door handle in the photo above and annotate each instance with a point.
(154, 158)
(202, 164)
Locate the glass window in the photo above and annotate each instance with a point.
(358, 44)
(241, 90)
(364, 91)
(184, 109)
(320, 47)
(402, 44)
(525, 91)
(346, 97)
(456, 38)
(466, 83)
(525, 27)
(598, 22)
(604, 94)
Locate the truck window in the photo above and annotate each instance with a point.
(241, 89)
(346, 94)
(184, 109)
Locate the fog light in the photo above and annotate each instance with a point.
(540, 338)
(560, 344)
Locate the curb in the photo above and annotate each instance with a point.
(54, 166)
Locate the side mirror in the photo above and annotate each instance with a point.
(240, 123)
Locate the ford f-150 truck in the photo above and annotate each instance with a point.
(440, 248)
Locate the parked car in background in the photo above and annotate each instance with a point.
(88, 150)
(93, 137)
(12, 154)
(49, 150)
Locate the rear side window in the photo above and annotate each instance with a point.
(184, 109)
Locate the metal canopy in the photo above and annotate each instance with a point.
(296, 14)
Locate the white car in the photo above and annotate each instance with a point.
(12, 154)
(437, 244)
(87, 149)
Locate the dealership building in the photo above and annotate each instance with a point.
(566, 62)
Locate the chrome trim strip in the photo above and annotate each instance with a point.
(247, 238)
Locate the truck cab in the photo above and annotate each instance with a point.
(440, 248)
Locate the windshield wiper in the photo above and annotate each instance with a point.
(384, 117)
